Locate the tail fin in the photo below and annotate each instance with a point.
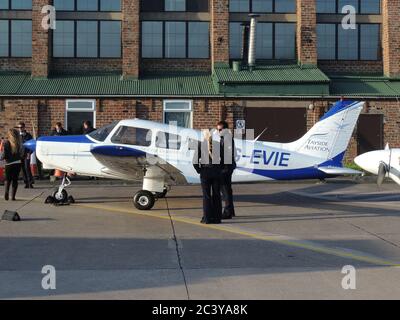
(330, 137)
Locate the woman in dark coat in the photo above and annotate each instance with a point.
(12, 152)
(207, 164)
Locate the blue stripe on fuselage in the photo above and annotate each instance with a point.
(117, 151)
(294, 174)
(66, 139)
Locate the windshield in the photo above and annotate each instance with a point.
(103, 133)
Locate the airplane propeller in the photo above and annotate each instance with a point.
(383, 171)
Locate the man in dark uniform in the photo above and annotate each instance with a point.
(208, 166)
(228, 162)
(59, 131)
(26, 159)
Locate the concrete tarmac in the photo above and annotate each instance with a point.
(289, 241)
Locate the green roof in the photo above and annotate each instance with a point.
(271, 74)
(271, 80)
(364, 87)
(107, 85)
(278, 81)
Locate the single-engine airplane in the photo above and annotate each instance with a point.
(161, 155)
(383, 163)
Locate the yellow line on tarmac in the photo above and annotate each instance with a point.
(292, 243)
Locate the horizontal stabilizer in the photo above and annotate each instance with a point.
(338, 171)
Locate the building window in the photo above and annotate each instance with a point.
(175, 39)
(87, 39)
(21, 38)
(336, 43)
(16, 38)
(88, 5)
(4, 43)
(63, 39)
(361, 6)
(199, 40)
(326, 41)
(78, 111)
(275, 41)
(174, 5)
(178, 112)
(110, 39)
(152, 39)
(16, 4)
(262, 6)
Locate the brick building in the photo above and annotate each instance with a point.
(169, 60)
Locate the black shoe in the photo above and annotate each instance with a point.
(6, 197)
(26, 186)
(227, 217)
(31, 186)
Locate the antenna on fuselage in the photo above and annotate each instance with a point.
(256, 139)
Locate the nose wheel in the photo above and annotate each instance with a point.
(144, 200)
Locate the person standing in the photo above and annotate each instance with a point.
(88, 127)
(207, 164)
(228, 163)
(26, 160)
(59, 130)
(12, 152)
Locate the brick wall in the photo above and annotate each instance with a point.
(219, 31)
(40, 41)
(168, 65)
(130, 38)
(351, 66)
(391, 37)
(15, 64)
(64, 65)
(306, 32)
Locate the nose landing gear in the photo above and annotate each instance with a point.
(60, 196)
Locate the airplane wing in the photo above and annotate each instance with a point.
(339, 171)
(126, 162)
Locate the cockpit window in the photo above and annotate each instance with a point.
(166, 140)
(132, 136)
(102, 133)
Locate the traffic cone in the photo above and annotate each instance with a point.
(34, 167)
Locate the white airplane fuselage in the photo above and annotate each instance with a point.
(371, 161)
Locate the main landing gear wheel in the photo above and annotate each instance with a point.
(144, 200)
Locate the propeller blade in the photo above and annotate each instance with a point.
(383, 170)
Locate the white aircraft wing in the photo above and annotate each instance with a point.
(130, 163)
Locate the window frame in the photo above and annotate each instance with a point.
(93, 110)
(337, 11)
(98, 56)
(263, 12)
(163, 23)
(380, 57)
(99, 9)
(274, 58)
(10, 8)
(190, 110)
(10, 42)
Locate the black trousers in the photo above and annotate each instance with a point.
(210, 184)
(227, 194)
(11, 173)
(26, 171)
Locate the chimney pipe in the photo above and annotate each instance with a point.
(245, 42)
(252, 41)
